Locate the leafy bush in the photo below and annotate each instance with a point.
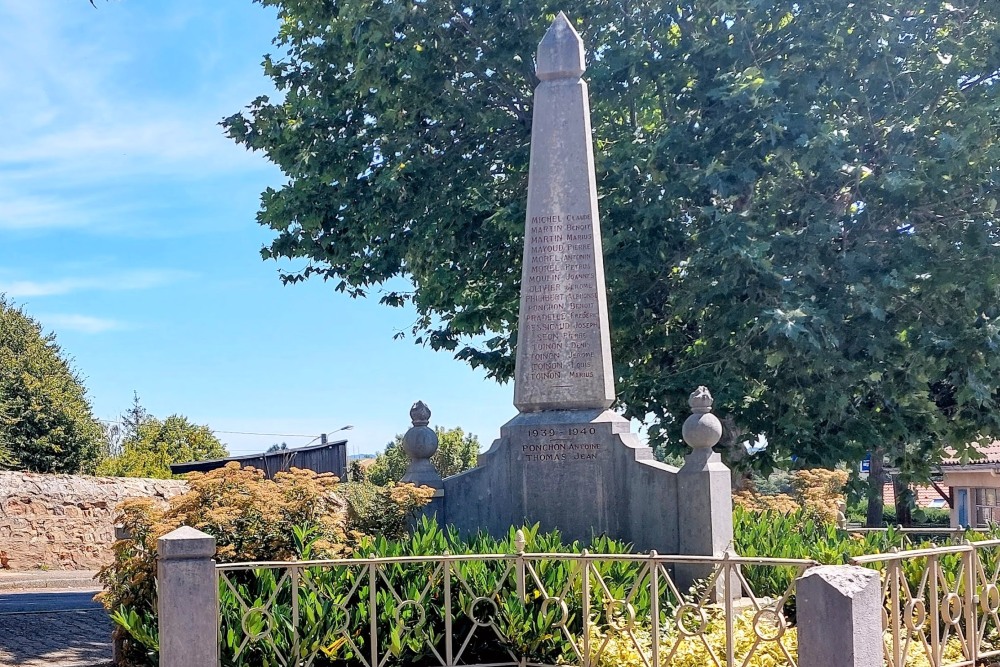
(298, 517)
(922, 516)
(770, 534)
(152, 445)
(692, 652)
(796, 534)
(338, 598)
(384, 510)
(615, 650)
(252, 519)
(889, 516)
(932, 516)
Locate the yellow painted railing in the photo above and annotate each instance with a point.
(940, 605)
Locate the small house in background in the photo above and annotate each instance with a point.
(974, 487)
(324, 457)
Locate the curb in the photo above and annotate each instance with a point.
(23, 581)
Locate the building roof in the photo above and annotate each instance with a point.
(923, 496)
(980, 455)
(277, 452)
(280, 459)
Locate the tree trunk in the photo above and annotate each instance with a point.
(876, 477)
(904, 500)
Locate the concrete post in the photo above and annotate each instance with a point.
(839, 611)
(704, 498)
(187, 599)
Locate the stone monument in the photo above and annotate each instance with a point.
(566, 460)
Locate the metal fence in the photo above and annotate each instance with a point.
(912, 537)
(513, 610)
(940, 605)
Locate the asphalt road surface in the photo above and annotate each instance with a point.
(52, 628)
(46, 601)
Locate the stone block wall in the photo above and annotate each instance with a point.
(67, 521)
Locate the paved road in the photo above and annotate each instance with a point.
(53, 629)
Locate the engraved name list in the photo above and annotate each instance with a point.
(560, 297)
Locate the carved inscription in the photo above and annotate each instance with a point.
(560, 445)
(561, 297)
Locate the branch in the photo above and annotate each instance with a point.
(946, 495)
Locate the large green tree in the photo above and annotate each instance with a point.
(146, 446)
(798, 200)
(46, 421)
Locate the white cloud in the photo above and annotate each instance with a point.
(83, 134)
(21, 209)
(112, 282)
(80, 323)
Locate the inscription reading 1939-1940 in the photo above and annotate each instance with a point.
(560, 296)
(560, 444)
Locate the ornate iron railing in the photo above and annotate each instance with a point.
(513, 610)
(940, 605)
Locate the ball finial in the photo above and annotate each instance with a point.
(701, 430)
(420, 414)
(420, 443)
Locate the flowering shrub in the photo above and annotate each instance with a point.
(815, 491)
(252, 519)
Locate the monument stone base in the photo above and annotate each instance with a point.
(581, 472)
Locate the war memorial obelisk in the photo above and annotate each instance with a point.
(566, 460)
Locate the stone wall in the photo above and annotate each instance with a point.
(66, 521)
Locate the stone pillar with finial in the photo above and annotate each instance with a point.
(704, 495)
(420, 442)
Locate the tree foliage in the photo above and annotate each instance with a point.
(457, 452)
(150, 445)
(46, 422)
(798, 200)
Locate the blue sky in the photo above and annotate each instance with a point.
(127, 228)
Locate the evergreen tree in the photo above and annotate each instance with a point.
(46, 421)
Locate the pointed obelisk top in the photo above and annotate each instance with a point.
(560, 53)
(563, 335)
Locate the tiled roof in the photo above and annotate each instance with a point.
(983, 454)
(925, 495)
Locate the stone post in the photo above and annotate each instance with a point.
(839, 611)
(704, 497)
(420, 443)
(187, 599)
